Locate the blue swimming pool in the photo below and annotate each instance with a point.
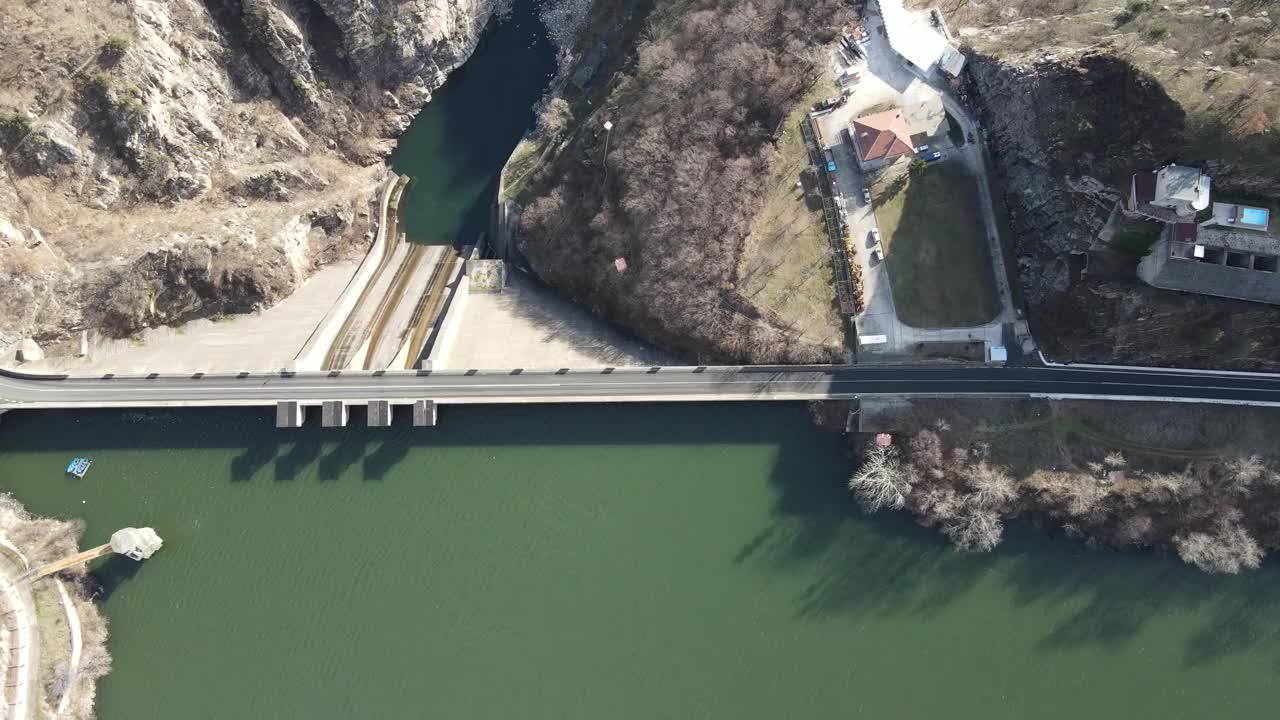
(1254, 216)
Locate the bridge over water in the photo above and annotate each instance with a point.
(335, 391)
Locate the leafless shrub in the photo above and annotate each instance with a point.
(926, 453)
(935, 503)
(554, 117)
(1245, 471)
(1228, 548)
(1167, 486)
(1135, 530)
(976, 529)
(1115, 460)
(881, 482)
(990, 486)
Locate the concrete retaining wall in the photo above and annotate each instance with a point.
(312, 355)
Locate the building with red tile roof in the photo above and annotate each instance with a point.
(881, 138)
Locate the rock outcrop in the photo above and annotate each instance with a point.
(1066, 132)
(179, 158)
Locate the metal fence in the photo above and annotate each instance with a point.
(839, 260)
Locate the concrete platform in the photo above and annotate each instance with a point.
(529, 326)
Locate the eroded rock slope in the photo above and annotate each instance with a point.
(169, 159)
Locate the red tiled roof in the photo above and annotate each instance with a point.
(1144, 187)
(1184, 232)
(882, 135)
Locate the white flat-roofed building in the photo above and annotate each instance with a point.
(1174, 193)
(913, 36)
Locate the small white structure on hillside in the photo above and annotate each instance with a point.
(914, 37)
(135, 543)
(1174, 193)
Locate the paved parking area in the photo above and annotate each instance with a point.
(886, 79)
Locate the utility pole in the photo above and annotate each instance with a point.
(605, 160)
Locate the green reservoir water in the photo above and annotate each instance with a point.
(634, 562)
(602, 562)
(456, 147)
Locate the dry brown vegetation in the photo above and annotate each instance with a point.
(1200, 481)
(43, 540)
(695, 115)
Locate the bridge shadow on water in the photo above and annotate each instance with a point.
(872, 566)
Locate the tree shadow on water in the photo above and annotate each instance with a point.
(885, 565)
(879, 565)
(1115, 594)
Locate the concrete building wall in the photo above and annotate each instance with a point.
(1209, 276)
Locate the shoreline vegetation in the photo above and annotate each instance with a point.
(1201, 482)
(64, 685)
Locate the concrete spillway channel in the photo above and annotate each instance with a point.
(358, 323)
(409, 308)
(393, 312)
(428, 311)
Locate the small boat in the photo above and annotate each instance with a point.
(79, 466)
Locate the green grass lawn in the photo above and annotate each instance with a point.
(785, 268)
(935, 242)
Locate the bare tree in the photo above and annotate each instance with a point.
(1115, 460)
(1245, 471)
(881, 482)
(1135, 530)
(926, 453)
(975, 529)
(1228, 548)
(990, 486)
(554, 117)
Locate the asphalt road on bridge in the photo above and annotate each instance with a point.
(746, 383)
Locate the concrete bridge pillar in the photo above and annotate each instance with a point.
(334, 413)
(290, 414)
(424, 413)
(380, 413)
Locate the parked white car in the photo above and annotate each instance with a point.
(875, 237)
(922, 149)
(866, 196)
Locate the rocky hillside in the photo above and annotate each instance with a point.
(169, 159)
(1077, 95)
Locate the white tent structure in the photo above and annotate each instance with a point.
(914, 38)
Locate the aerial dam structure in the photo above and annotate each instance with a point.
(386, 317)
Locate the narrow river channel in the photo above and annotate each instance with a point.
(456, 147)
(627, 562)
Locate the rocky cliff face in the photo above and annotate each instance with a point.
(1072, 105)
(167, 159)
